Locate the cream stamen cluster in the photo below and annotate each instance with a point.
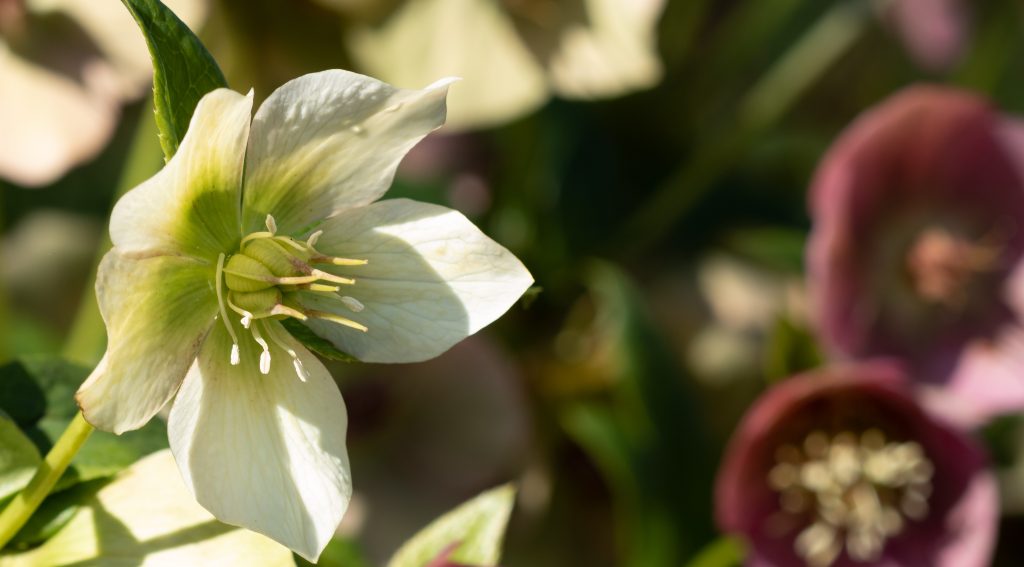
(857, 491)
(942, 265)
(259, 283)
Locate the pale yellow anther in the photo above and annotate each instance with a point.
(857, 491)
(322, 275)
(337, 319)
(281, 309)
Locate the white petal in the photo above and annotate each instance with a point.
(191, 206)
(157, 311)
(145, 517)
(265, 452)
(471, 39)
(51, 121)
(432, 280)
(329, 141)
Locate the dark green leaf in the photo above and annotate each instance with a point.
(104, 453)
(18, 458)
(315, 343)
(20, 397)
(183, 70)
(777, 248)
(340, 552)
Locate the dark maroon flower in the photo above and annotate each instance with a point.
(841, 467)
(917, 239)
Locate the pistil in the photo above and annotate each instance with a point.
(854, 492)
(261, 282)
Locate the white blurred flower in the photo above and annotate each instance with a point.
(66, 67)
(514, 54)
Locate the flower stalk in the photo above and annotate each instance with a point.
(53, 466)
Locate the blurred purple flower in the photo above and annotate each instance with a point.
(841, 467)
(917, 245)
(934, 32)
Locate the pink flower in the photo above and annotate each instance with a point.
(934, 32)
(916, 247)
(841, 467)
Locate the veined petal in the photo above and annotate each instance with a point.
(158, 311)
(191, 206)
(265, 452)
(329, 141)
(432, 280)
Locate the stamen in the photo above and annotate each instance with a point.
(247, 316)
(219, 282)
(320, 274)
(312, 287)
(314, 238)
(282, 309)
(271, 224)
(855, 491)
(294, 280)
(290, 242)
(256, 235)
(337, 319)
(352, 303)
(300, 370)
(265, 355)
(320, 259)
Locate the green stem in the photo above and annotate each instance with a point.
(53, 466)
(777, 91)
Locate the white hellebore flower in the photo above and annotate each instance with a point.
(250, 224)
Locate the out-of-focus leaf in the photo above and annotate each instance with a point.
(55, 512)
(183, 70)
(791, 349)
(647, 438)
(315, 343)
(477, 527)
(18, 458)
(20, 397)
(777, 248)
(723, 552)
(146, 516)
(105, 453)
(340, 552)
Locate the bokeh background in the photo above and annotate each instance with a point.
(648, 160)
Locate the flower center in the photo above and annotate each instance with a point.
(855, 491)
(261, 282)
(942, 266)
